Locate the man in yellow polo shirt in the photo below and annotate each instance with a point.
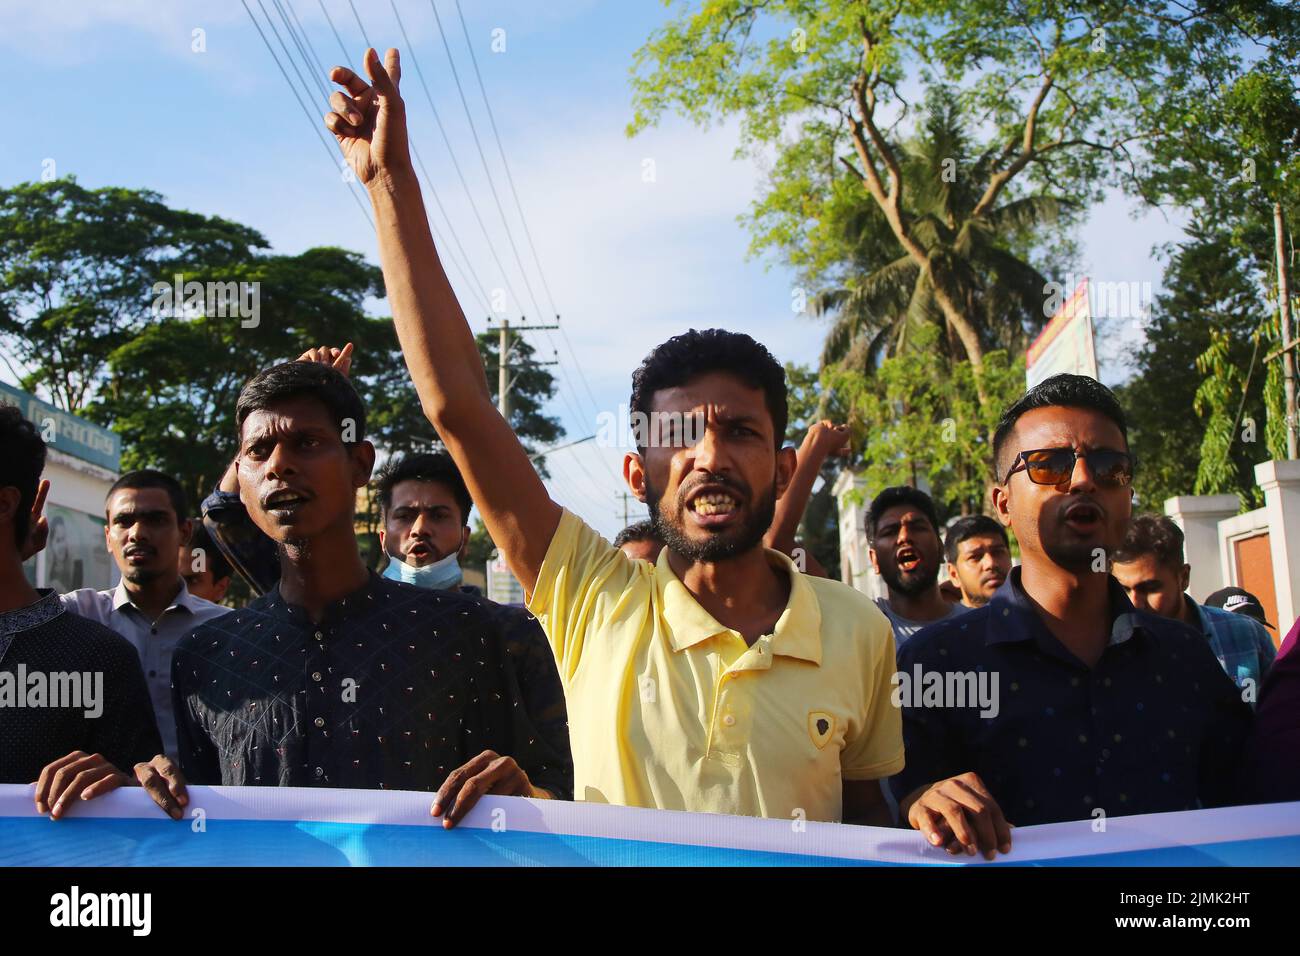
(719, 679)
(670, 708)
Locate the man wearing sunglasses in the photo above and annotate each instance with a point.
(1100, 710)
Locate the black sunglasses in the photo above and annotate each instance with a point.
(1054, 466)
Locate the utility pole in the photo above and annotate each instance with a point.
(1288, 353)
(627, 518)
(504, 379)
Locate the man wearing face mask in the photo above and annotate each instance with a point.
(425, 509)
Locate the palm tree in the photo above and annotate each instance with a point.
(975, 258)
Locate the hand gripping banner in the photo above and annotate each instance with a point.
(270, 826)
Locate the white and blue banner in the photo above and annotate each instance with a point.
(269, 826)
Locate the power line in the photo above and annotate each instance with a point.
(287, 55)
(331, 153)
(360, 27)
(320, 65)
(592, 495)
(463, 266)
(302, 51)
(473, 129)
(578, 415)
(419, 72)
(504, 162)
(510, 179)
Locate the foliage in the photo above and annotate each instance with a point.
(1061, 95)
(919, 421)
(1206, 321)
(77, 268)
(80, 312)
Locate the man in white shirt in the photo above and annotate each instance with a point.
(151, 606)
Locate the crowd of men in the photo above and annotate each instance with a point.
(700, 662)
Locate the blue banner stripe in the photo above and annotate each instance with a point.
(285, 827)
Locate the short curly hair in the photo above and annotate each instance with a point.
(21, 464)
(289, 380)
(697, 352)
(1152, 534)
(428, 466)
(900, 495)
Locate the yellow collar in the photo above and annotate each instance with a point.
(797, 633)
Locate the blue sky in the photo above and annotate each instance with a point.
(113, 93)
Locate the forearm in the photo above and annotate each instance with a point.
(436, 341)
(791, 505)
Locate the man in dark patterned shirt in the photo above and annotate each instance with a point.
(424, 510)
(337, 677)
(74, 706)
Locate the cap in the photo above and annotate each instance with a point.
(1239, 602)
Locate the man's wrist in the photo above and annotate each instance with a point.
(391, 181)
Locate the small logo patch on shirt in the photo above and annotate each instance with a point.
(820, 727)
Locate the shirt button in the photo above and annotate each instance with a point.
(319, 721)
(153, 630)
(315, 675)
(320, 636)
(729, 721)
(319, 773)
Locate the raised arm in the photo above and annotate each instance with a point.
(823, 440)
(369, 122)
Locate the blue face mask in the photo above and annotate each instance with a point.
(439, 576)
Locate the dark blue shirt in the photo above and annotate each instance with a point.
(256, 558)
(395, 687)
(1155, 726)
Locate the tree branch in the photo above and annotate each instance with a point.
(999, 180)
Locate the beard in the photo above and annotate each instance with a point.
(909, 583)
(142, 575)
(1077, 557)
(718, 547)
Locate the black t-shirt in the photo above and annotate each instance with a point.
(69, 684)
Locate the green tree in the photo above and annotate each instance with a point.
(878, 311)
(1061, 93)
(809, 402)
(919, 420)
(1228, 147)
(173, 384)
(399, 423)
(77, 267)
(1214, 304)
(81, 317)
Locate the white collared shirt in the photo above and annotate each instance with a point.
(153, 640)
